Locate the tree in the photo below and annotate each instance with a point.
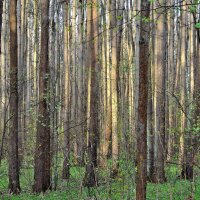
(42, 173)
(14, 185)
(1, 113)
(161, 46)
(141, 153)
(183, 65)
(90, 179)
(65, 172)
(114, 81)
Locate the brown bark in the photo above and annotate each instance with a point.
(14, 186)
(90, 179)
(141, 154)
(42, 152)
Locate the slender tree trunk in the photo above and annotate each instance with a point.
(1, 92)
(114, 86)
(160, 94)
(171, 73)
(14, 186)
(42, 175)
(66, 172)
(141, 154)
(183, 63)
(107, 102)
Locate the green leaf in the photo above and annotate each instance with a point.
(119, 17)
(193, 8)
(197, 25)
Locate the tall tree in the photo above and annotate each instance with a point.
(1, 113)
(90, 179)
(14, 185)
(65, 172)
(161, 30)
(114, 79)
(141, 155)
(42, 152)
(183, 63)
(106, 93)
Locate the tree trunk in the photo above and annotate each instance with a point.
(1, 106)
(141, 154)
(105, 142)
(114, 83)
(90, 179)
(183, 63)
(160, 94)
(14, 186)
(42, 153)
(66, 172)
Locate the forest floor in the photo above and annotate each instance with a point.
(120, 188)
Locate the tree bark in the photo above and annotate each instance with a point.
(66, 166)
(114, 83)
(161, 30)
(90, 179)
(14, 185)
(42, 173)
(1, 106)
(141, 154)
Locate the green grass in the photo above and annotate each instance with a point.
(122, 188)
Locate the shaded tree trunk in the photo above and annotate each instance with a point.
(141, 154)
(90, 179)
(14, 185)
(42, 153)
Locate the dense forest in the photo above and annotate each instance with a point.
(100, 99)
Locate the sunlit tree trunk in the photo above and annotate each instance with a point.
(66, 172)
(106, 133)
(171, 87)
(183, 64)
(5, 76)
(161, 39)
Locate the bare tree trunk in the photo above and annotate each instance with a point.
(42, 175)
(14, 186)
(90, 179)
(160, 95)
(114, 86)
(66, 172)
(183, 63)
(171, 74)
(141, 154)
(1, 96)
(106, 133)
